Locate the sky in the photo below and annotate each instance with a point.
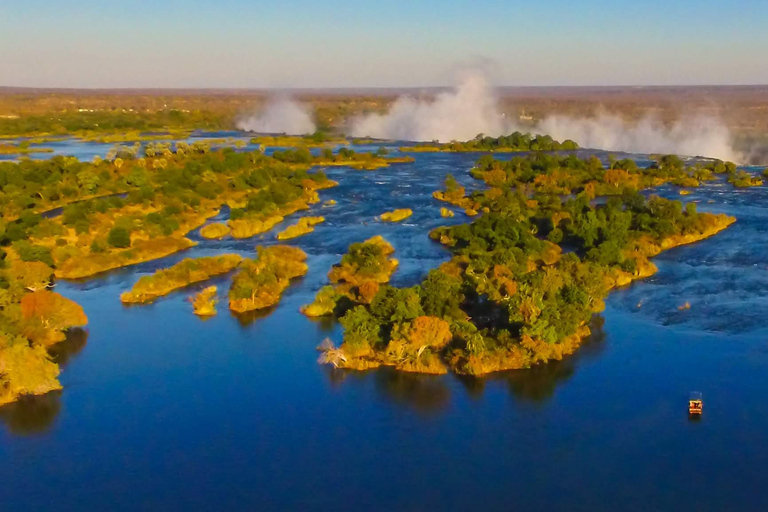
(396, 43)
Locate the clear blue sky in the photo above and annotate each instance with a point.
(341, 43)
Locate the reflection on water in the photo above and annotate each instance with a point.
(36, 414)
(426, 394)
(73, 344)
(249, 317)
(31, 414)
(538, 384)
(432, 393)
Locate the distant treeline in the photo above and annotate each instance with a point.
(516, 141)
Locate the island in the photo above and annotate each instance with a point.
(260, 282)
(525, 278)
(398, 215)
(302, 227)
(184, 273)
(214, 231)
(516, 141)
(204, 303)
(357, 278)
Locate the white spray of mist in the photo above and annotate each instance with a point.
(280, 115)
(459, 114)
(471, 107)
(691, 136)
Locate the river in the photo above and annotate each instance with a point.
(162, 411)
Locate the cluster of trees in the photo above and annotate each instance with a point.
(184, 273)
(69, 123)
(742, 179)
(32, 321)
(516, 141)
(317, 139)
(356, 279)
(281, 190)
(525, 277)
(554, 174)
(343, 156)
(260, 282)
(455, 194)
(132, 208)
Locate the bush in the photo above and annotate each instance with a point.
(29, 252)
(97, 246)
(119, 237)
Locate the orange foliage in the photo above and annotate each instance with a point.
(368, 291)
(46, 314)
(429, 331)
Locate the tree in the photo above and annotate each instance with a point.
(46, 314)
(119, 237)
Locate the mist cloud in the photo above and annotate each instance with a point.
(460, 114)
(692, 136)
(471, 107)
(280, 115)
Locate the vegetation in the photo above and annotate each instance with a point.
(362, 161)
(455, 194)
(214, 230)
(397, 215)
(356, 279)
(302, 227)
(552, 174)
(184, 273)
(317, 139)
(511, 297)
(516, 141)
(32, 321)
(205, 302)
(261, 281)
(742, 179)
(22, 148)
(108, 121)
(129, 208)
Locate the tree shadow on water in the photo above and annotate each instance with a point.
(249, 317)
(539, 383)
(431, 394)
(31, 415)
(62, 353)
(422, 393)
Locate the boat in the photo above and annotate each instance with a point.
(695, 403)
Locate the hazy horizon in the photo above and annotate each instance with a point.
(235, 44)
(394, 89)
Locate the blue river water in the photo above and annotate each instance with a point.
(163, 411)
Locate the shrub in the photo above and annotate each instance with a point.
(119, 237)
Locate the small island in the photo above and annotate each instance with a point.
(214, 231)
(261, 281)
(204, 303)
(302, 227)
(742, 179)
(396, 215)
(357, 278)
(184, 273)
(514, 142)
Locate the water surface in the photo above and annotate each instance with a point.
(162, 411)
